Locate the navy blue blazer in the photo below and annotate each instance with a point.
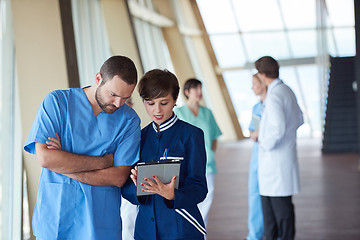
(159, 218)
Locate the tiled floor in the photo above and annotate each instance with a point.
(327, 208)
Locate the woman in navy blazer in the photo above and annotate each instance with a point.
(169, 213)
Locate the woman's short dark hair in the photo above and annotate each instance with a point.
(268, 65)
(191, 83)
(158, 83)
(120, 66)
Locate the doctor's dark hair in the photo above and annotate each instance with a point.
(191, 83)
(158, 83)
(120, 66)
(267, 65)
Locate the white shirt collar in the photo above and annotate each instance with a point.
(167, 124)
(273, 84)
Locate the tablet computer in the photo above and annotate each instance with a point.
(164, 170)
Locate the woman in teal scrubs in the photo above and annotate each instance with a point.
(202, 118)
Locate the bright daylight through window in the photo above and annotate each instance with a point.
(242, 31)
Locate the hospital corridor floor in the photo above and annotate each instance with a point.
(327, 208)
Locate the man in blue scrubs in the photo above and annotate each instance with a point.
(86, 140)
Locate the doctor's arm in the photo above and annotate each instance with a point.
(275, 125)
(110, 176)
(113, 176)
(65, 163)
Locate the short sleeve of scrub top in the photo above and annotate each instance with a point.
(46, 124)
(77, 210)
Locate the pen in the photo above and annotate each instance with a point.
(165, 153)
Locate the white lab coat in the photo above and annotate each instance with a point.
(278, 167)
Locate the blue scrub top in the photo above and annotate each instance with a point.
(66, 208)
(257, 110)
(159, 218)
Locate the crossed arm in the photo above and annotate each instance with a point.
(92, 170)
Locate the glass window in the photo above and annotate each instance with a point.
(1, 130)
(228, 50)
(218, 16)
(332, 48)
(303, 43)
(10, 136)
(152, 46)
(299, 79)
(345, 41)
(285, 30)
(189, 42)
(308, 76)
(239, 84)
(272, 44)
(291, 78)
(341, 13)
(147, 53)
(299, 14)
(92, 45)
(257, 15)
(341, 42)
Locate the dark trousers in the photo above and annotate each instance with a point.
(279, 218)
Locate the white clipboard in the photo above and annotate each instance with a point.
(256, 121)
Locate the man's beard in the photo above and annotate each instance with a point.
(103, 105)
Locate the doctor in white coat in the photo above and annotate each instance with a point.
(278, 163)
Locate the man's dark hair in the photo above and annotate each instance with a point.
(268, 65)
(120, 66)
(191, 83)
(158, 83)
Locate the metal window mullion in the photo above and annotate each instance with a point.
(191, 51)
(330, 26)
(241, 34)
(323, 59)
(297, 75)
(11, 163)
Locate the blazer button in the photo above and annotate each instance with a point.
(152, 219)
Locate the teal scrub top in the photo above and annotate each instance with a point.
(205, 121)
(66, 208)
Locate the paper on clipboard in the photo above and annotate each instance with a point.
(256, 121)
(164, 170)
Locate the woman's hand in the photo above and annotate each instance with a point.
(165, 190)
(54, 143)
(254, 135)
(133, 175)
